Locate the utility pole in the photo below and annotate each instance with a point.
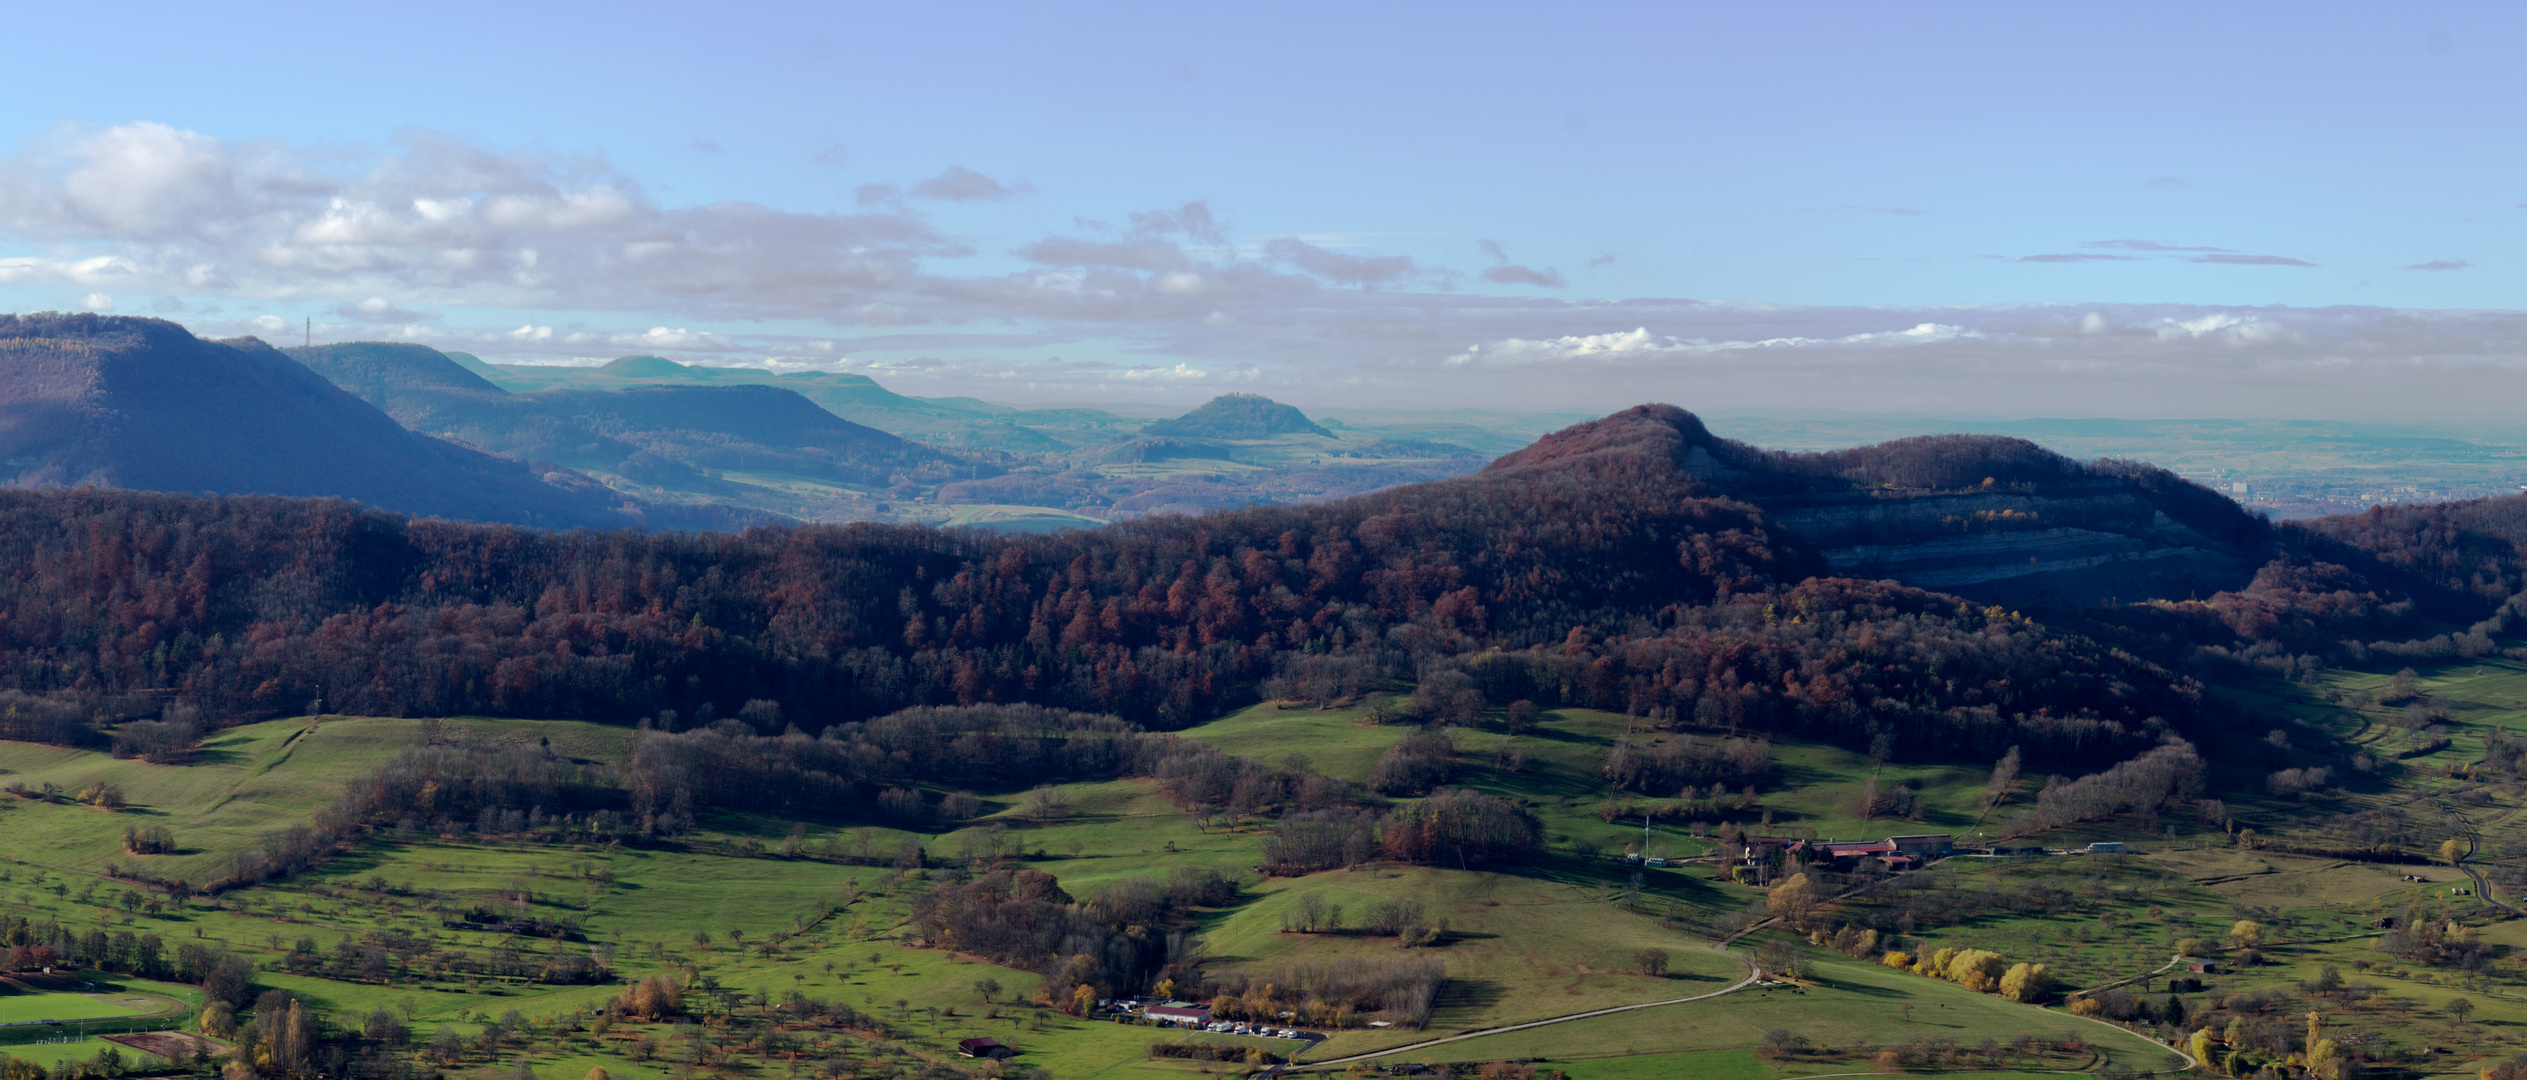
(311, 331)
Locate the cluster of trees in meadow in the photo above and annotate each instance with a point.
(2167, 777)
(1454, 827)
(1681, 766)
(34, 944)
(1339, 993)
(385, 956)
(285, 1037)
(1401, 918)
(1136, 936)
(440, 784)
(1980, 970)
(1085, 951)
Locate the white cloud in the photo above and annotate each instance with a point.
(96, 301)
(1639, 344)
(434, 220)
(1180, 371)
(436, 239)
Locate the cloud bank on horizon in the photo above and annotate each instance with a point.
(438, 239)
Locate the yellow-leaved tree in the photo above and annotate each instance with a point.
(1978, 970)
(2026, 982)
(1934, 964)
(2198, 1047)
(1792, 900)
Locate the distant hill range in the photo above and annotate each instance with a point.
(142, 403)
(952, 422)
(667, 441)
(1239, 416)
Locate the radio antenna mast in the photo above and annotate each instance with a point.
(311, 331)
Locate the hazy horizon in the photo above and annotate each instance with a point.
(2149, 212)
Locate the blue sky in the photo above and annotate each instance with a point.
(2014, 209)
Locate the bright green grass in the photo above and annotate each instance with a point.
(22, 1008)
(1076, 1049)
(246, 781)
(1522, 949)
(1336, 742)
(1548, 940)
(1854, 1003)
(52, 1055)
(1731, 1065)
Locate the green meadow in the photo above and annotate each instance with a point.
(1552, 937)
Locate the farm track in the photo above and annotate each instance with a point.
(2474, 843)
(1752, 973)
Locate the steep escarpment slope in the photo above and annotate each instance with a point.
(142, 403)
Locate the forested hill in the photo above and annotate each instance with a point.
(1611, 566)
(141, 403)
(1985, 517)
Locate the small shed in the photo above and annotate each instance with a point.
(985, 1047)
(2203, 967)
(2106, 847)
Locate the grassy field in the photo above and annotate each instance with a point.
(1849, 1003)
(54, 1054)
(1545, 939)
(32, 1008)
(244, 782)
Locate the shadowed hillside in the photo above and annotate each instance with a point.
(141, 403)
